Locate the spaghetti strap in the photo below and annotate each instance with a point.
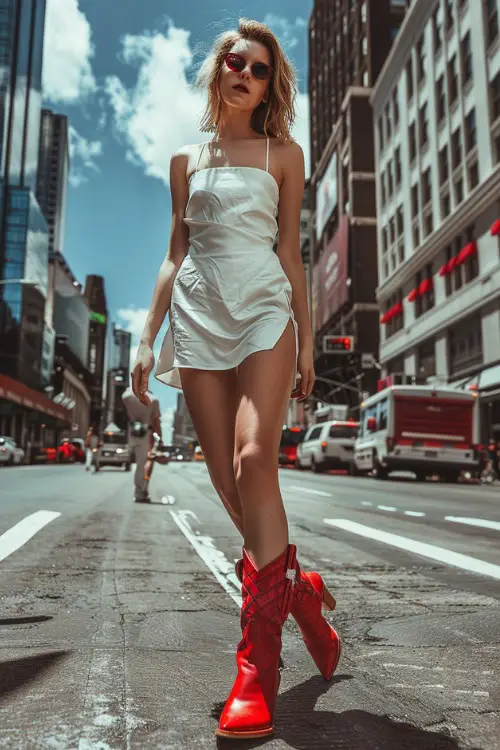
(199, 156)
(267, 156)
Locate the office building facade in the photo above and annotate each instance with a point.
(349, 42)
(95, 296)
(53, 173)
(438, 188)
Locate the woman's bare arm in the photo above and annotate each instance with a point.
(162, 295)
(177, 250)
(291, 195)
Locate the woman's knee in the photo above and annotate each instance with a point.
(252, 461)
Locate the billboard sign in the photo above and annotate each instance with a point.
(326, 196)
(330, 276)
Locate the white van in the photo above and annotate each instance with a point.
(329, 445)
(423, 429)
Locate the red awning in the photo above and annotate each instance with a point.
(425, 286)
(413, 295)
(495, 228)
(443, 271)
(13, 390)
(395, 310)
(465, 252)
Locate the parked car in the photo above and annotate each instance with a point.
(329, 445)
(10, 452)
(115, 450)
(66, 451)
(79, 446)
(291, 437)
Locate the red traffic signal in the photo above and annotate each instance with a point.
(338, 344)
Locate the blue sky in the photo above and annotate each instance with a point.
(122, 71)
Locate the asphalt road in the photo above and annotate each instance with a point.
(118, 622)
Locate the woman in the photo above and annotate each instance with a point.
(239, 332)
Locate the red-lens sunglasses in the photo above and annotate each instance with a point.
(237, 64)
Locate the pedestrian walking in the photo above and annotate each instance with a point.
(92, 449)
(239, 339)
(144, 420)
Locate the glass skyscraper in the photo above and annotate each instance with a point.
(23, 229)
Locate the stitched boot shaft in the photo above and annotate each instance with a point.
(267, 597)
(321, 639)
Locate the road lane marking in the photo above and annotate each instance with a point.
(389, 508)
(214, 559)
(441, 554)
(420, 667)
(14, 538)
(308, 489)
(482, 522)
(476, 693)
(415, 513)
(168, 500)
(366, 502)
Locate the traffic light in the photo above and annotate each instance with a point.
(338, 344)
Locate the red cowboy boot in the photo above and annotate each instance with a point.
(322, 641)
(267, 597)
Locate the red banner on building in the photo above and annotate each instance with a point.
(13, 390)
(330, 276)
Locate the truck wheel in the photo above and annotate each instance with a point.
(126, 467)
(421, 476)
(316, 468)
(379, 471)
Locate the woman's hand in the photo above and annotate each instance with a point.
(143, 365)
(305, 366)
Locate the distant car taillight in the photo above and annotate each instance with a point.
(324, 445)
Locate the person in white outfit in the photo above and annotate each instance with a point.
(92, 449)
(144, 420)
(240, 339)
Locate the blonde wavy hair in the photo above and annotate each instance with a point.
(273, 118)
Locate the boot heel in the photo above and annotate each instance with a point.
(328, 600)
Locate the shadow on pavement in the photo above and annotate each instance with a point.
(17, 673)
(10, 621)
(302, 728)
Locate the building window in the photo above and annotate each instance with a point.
(416, 235)
(390, 182)
(440, 100)
(495, 97)
(388, 121)
(412, 138)
(456, 149)
(381, 133)
(426, 187)
(465, 272)
(414, 201)
(449, 15)
(395, 106)
(445, 205)
(423, 126)
(409, 78)
(397, 166)
(459, 191)
(428, 223)
(465, 346)
(382, 189)
(452, 80)
(400, 224)
(491, 20)
(470, 130)
(392, 231)
(426, 359)
(473, 175)
(443, 165)
(466, 55)
(497, 148)
(421, 64)
(396, 323)
(424, 301)
(437, 32)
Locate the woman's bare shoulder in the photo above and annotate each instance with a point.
(290, 156)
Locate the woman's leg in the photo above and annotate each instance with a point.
(211, 397)
(265, 382)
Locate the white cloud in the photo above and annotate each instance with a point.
(301, 129)
(288, 32)
(161, 112)
(83, 155)
(68, 50)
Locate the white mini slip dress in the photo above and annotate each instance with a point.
(230, 297)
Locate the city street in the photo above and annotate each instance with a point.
(119, 621)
